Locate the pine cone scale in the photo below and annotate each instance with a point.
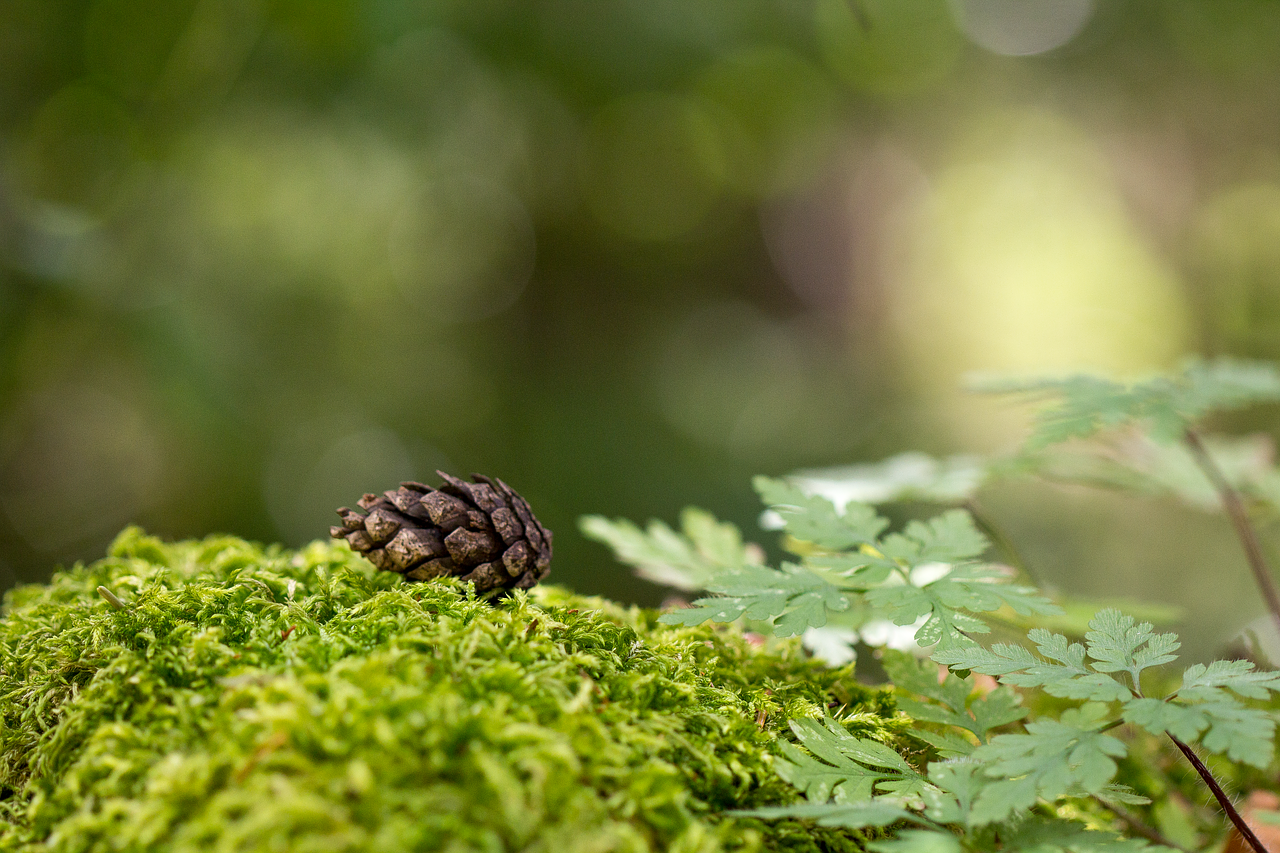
(382, 525)
(412, 546)
(360, 540)
(471, 547)
(483, 532)
(516, 559)
(445, 511)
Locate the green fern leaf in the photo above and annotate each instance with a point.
(971, 588)
(815, 519)
(1158, 716)
(1054, 758)
(948, 744)
(1242, 734)
(1202, 709)
(907, 672)
(957, 784)
(794, 598)
(956, 706)
(1080, 406)
(1237, 675)
(1114, 638)
(686, 560)
(1117, 644)
(947, 538)
(1221, 724)
(1225, 384)
(997, 708)
(841, 766)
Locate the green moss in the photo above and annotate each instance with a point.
(254, 699)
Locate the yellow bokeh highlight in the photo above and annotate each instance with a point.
(1024, 260)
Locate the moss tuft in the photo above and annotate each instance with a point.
(258, 699)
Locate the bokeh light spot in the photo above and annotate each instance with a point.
(776, 113)
(888, 47)
(1026, 261)
(1022, 27)
(306, 199)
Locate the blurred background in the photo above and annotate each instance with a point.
(260, 256)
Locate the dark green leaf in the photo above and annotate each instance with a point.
(841, 766)
(1068, 678)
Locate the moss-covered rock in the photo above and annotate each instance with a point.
(250, 699)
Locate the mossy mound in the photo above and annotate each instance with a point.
(250, 699)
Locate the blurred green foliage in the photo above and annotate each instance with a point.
(260, 256)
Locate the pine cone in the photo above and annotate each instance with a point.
(482, 532)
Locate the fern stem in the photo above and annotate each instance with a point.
(1240, 519)
(1220, 795)
(1136, 824)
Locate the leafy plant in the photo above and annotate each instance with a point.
(985, 780)
(927, 573)
(1166, 409)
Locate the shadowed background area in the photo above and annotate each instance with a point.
(260, 256)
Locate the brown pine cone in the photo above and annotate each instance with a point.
(481, 532)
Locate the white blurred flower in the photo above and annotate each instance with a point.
(833, 646)
(882, 632)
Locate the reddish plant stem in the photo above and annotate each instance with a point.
(1220, 795)
(1240, 519)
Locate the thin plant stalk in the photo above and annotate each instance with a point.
(1240, 519)
(1220, 795)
